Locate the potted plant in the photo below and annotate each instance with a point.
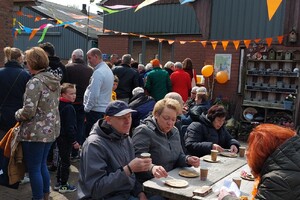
(288, 102)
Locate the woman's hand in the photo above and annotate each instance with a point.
(159, 172)
(233, 149)
(194, 161)
(217, 147)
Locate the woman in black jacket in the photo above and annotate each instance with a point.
(273, 156)
(13, 79)
(209, 133)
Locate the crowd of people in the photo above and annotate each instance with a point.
(108, 113)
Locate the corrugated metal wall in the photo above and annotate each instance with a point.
(245, 19)
(155, 19)
(64, 39)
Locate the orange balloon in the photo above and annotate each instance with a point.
(222, 77)
(207, 70)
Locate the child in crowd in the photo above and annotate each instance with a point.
(115, 85)
(66, 139)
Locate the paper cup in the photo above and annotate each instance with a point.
(214, 154)
(145, 155)
(242, 151)
(237, 181)
(203, 174)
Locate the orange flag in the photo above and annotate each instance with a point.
(203, 43)
(171, 41)
(280, 39)
(236, 44)
(33, 32)
(269, 41)
(160, 40)
(37, 18)
(257, 40)
(247, 43)
(214, 44)
(182, 42)
(272, 7)
(19, 13)
(225, 44)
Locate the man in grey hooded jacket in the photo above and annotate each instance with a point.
(108, 160)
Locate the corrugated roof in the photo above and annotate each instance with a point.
(53, 10)
(155, 19)
(244, 19)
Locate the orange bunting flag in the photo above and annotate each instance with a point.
(280, 39)
(16, 33)
(33, 32)
(257, 41)
(171, 41)
(247, 43)
(142, 36)
(160, 40)
(236, 44)
(203, 43)
(19, 13)
(151, 38)
(37, 18)
(214, 44)
(225, 44)
(269, 41)
(182, 42)
(272, 7)
(30, 16)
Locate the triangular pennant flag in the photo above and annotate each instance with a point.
(214, 44)
(19, 13)
(43, 35)
(236, 44)
(269, 41)
(257, 41)
(37, 18)
(280, 39)
(151, 38)
(29, 16)
(182, 42)
(272, 7)
(33, 32)
(247, 43)
(160, 40)
(225, 44)
(193, 41)
(171, 41)
(145, 3)
(203, 43)
(107, 31)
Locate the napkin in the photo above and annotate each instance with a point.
(231, 187)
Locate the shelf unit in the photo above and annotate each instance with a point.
(267, 83)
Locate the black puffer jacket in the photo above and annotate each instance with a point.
(200, 137)
(280, 173)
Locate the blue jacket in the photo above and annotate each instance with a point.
(14, 101)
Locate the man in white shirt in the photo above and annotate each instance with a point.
(98, 93)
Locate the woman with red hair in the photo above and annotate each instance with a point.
(273, 156)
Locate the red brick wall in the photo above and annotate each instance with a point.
(113, 44)
(6, 38)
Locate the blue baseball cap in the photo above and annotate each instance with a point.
(118, 108)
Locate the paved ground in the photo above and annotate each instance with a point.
(24, 191)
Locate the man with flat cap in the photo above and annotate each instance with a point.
(108, 160)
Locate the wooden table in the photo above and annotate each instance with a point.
(217, 171)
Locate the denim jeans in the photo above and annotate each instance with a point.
(35, 155)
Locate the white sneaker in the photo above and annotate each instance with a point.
(25, 180)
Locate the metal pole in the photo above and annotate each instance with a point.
(87, 29)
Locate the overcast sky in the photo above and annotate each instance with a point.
(77, 3)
